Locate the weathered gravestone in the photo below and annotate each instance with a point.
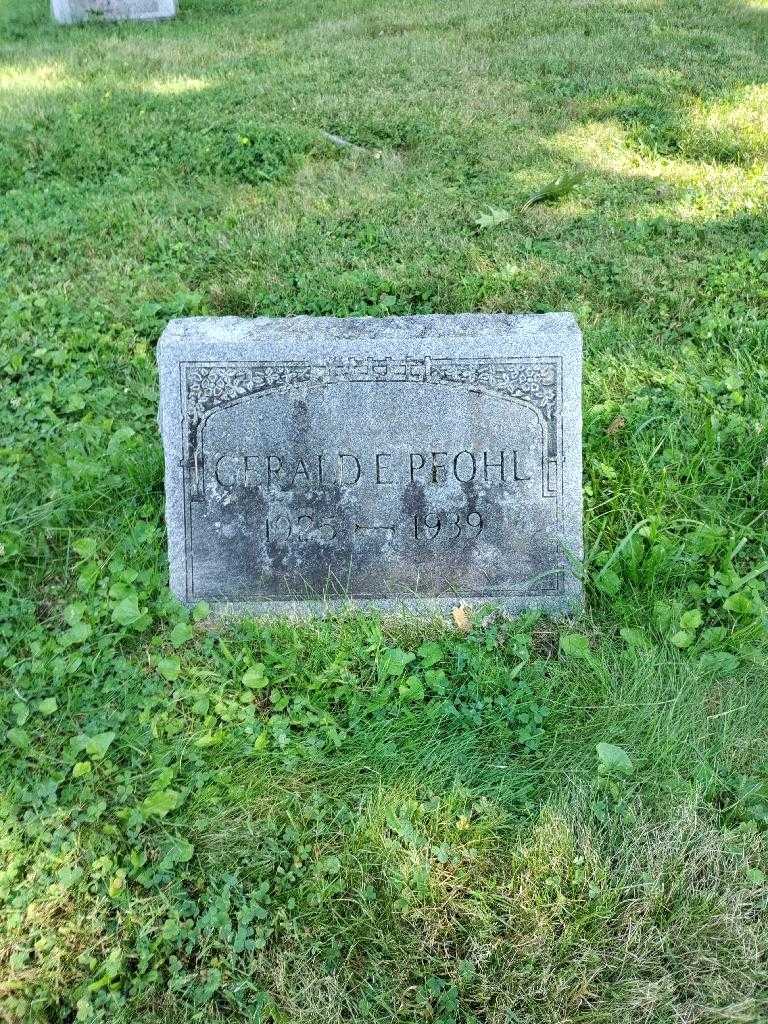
(66, 12)
(410, 461)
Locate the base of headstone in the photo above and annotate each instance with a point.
(69, 12)
(403, 464)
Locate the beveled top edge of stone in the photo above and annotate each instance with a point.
(233, 330)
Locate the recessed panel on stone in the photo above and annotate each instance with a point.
(405, 462)
(67, 12)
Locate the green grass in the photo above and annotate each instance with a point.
(352, 820)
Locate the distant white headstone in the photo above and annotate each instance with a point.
(67, 12)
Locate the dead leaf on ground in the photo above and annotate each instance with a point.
(462, 618)
(618, 424)
(555, 189)
(492, 218)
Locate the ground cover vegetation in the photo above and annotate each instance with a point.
(349, 819)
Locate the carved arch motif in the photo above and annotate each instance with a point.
(533, 382)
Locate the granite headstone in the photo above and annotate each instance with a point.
(405, 462)
(67, 12)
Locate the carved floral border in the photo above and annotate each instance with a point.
(209, 386)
